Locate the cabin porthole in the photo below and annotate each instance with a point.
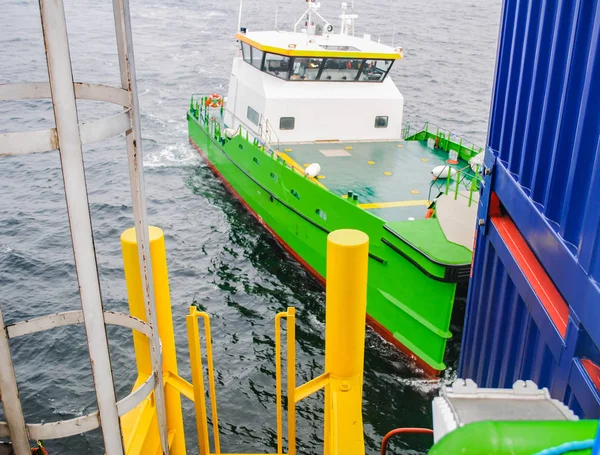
(295, 194)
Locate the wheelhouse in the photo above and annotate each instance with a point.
(334, 64)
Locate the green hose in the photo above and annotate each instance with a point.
(514, 438)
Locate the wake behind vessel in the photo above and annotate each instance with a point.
(310, 139)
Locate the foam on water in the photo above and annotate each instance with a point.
(174, 155)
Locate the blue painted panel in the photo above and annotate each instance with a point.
(544, 165)
(545, 118)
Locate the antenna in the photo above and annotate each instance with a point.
(239, 27)
(276, 11)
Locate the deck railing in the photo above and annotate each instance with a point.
(444, 140)
(265, 138)
(465, 184)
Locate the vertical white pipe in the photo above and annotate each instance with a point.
(240, 18)
(60, 73)
(10, 397)
(140, 213)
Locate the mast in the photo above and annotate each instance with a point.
(239, 27)
(308, 18)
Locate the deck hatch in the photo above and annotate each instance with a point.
(334, 153)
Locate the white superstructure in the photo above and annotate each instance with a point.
(315, 85)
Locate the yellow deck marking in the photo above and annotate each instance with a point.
(424, 160)
(297, 167)
(349, 147)
(388, 205)
(387, 173)
(306, 165)
(321, 177)
(400, 146)
(370, 162)
(288, 150)
(415, 191)
(344, 196)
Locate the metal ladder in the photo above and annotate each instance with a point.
(68, 137)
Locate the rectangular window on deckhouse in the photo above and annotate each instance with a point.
(253, 116)
(287, 123)
(246, 52)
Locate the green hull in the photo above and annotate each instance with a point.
(410, 292)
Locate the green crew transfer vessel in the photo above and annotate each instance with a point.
(310, 139)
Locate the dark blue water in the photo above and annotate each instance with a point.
(218, 256)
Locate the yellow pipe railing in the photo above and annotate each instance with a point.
(198, 381)
(347, 258)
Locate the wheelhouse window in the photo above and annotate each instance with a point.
(287, 123)
(253, 116)
(277, 65)
(336, 69)
(381, 122)
(246, 52)
(375, 70)
(257, 58)
(306, 69)
(340, 69)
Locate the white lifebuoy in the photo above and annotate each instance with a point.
(442, 172)
(313, 170)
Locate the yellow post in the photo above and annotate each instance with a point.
(346, 307)
(291, 380)
(165, 324)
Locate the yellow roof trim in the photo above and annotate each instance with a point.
(317, 53)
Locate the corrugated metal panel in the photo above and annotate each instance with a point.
(545, 120)
(544, 162)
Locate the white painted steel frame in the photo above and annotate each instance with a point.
(68, 137)
(140, 214)
(54, 29)
(27, 142)
(15, 427)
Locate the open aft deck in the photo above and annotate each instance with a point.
(393, 180)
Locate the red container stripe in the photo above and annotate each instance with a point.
(593, 371)
(542, 285)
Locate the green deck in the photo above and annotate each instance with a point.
(430, 239)
(412, 281)
(389, 172)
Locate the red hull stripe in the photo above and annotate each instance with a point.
(381, 330)
(540, 282)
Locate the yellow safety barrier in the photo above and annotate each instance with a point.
(290, 316)
(198, 380)
(347, 258)
(144, 416)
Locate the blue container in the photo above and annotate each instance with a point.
(533, 310)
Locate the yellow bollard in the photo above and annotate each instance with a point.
(346, 307)
(165, 326)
